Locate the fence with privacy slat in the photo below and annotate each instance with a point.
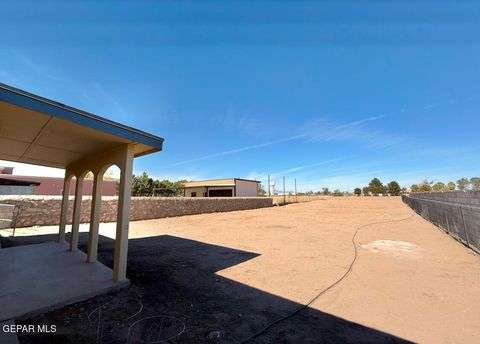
(457, 213)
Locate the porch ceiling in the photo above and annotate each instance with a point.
(39, 131)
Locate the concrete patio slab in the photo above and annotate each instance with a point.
(43, 277)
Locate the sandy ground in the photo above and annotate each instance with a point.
(410, 279)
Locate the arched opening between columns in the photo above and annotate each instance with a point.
(77, 209)
(68, 189)
(96, 209)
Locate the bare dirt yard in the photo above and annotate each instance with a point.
(227, 275)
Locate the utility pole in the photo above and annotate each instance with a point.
(268, 185)
(284, 195)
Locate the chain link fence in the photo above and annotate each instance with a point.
(286, 199)
(457, 213)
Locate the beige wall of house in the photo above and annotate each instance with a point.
(246, 188)
(197, 190)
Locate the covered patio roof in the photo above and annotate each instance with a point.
(40, 131)
(36, 130)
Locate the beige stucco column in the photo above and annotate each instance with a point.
(77, 208)
(64, 210)
(124, 194)
(95, 217)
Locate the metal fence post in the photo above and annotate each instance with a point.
(436, 206)
(464, 226)
(296, 196)
(446, 218)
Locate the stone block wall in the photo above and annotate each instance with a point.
(45, 210)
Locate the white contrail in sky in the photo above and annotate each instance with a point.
(265, 144)
(299, 168)
(238, 150)
(360, 121)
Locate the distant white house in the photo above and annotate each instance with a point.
(233, 187)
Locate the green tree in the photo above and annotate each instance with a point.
(142, 185)
(451, 186)
(366, 191)
(415, 188)
(376, 187)
(394, 188)
(475, 182)
(167, 188)
(357, 192)
(439, 186)
(462, 184)
(425, 186)
(325, 191)
(337, 193)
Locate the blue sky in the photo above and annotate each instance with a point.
(332, 93)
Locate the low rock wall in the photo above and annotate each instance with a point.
(45, 210)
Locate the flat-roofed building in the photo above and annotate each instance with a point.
(231, 187)
(10, 186)
(48, 186)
